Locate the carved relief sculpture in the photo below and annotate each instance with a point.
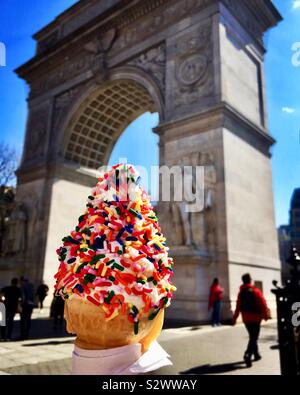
(100, 48)
(61, 104)
(37, 126)
(153, 62)
(193, 66)
(15, 234)
(162, 17)
(196, 229)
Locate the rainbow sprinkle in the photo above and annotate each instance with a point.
(117, 258)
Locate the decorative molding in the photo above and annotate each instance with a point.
(217, 116)
(93, 58)
(164, 13)
(153, 62)
(169, 13)
(246, 18)
(70, 68)
(102, 43)
(192, 69)
(62, 100)
(47, 42)
(108, 40)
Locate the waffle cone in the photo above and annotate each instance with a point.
(93, 332)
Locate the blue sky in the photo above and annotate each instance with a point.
(19, 19)
(283, 96)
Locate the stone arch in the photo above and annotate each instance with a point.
(101, 113)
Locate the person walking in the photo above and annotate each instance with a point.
(26, 307)
(58, 305)
(253, 306)
(215, 302)
(41, 293)
(12, 297)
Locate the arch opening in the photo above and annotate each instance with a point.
(100, 120)
(138, 145)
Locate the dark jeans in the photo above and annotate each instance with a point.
(26, 321)
(253, 329)
(216, 314)
(58, 320)
(41, 301)
(6, 331)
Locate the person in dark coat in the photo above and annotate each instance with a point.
(253, 306)
(26, 307)
(41, 293)
(58, 305)
(12, 297)
(215, 302)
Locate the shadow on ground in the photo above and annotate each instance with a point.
(41, 328)
(58, 367)
(194, 325)
(172, 324)
(268, 339)
(275, 347)
(49, 343)
(215, 369)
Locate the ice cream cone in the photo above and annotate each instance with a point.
(94, 332)
(115, 272)
(154, 331)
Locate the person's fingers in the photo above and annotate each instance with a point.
(154, 333)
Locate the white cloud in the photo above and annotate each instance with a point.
(288, 110)
(296, 4)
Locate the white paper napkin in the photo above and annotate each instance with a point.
(126, 360)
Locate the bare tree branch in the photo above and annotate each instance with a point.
(8, 165)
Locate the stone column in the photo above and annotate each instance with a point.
(216, 117)
(52, 191)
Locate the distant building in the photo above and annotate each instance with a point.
(284, 241)
(290, 234)
(7, 196)
(295, 218)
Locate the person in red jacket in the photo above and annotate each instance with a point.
(215, 302)
(253, 306)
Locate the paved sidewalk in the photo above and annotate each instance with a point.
(193, 350)
(219, 351)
